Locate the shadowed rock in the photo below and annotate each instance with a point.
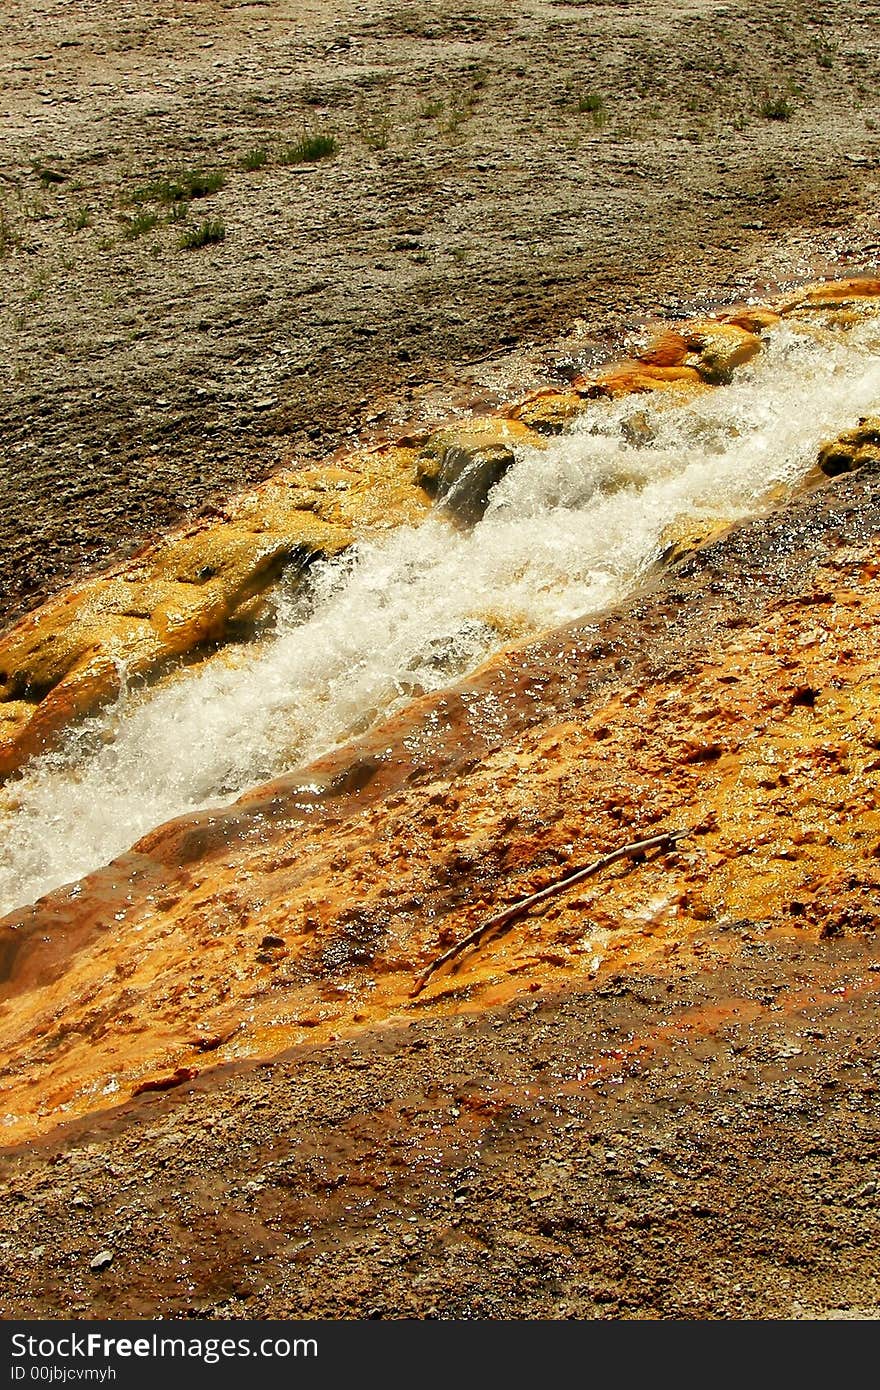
(460, 465)
(856, 448)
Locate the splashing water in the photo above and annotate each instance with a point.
(572, 528)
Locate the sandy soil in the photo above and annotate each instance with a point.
(696, 1146)
(502, 173)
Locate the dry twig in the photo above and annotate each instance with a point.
(519, 909)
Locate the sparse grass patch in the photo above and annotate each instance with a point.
(9, 237)
(38, 288)
(432, 109)
(776, 108)
(32, 209)
(178, 212)
(375, 130)
(311, 149)
(593, 104)
(206, 234)
(463, 103)
(180, 187)
(256, 158)
(139, 225)
(79, 220)
(460, 112)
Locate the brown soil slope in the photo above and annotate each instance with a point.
(501, 172)
(657, 1098)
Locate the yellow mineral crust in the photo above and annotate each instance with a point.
(185, 593)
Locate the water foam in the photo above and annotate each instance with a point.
(571, 529)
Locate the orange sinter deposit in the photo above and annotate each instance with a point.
(738, 698)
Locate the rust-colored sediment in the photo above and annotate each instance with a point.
(740, 699)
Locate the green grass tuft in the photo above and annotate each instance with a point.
(257, 158)
(376, 132)
(309, 150)
(593, 104)
(139, 225)
(9, 237)
(79, 220)
(206, 234)
(180, 187)
(777, 108)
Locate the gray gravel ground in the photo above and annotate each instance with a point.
(503, 174)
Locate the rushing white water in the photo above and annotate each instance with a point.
(570, 529)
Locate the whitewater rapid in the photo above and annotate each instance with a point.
(572, 528)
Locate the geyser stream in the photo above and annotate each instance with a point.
(571, 529)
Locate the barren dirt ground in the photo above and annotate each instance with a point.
(502, 172)
(482, 1167)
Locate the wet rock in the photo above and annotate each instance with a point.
(704, 352)
(459, 465)
(629, 378)
(14, 718)
(666, 348)
(193, 589)
(856, 448)
(755, 319)
(165, 1083)
(549, 411)
(689, 534)
(384, 493)
(715, 349)
(93, 681)
(831, 294)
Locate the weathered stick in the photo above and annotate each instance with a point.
(519, 909)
